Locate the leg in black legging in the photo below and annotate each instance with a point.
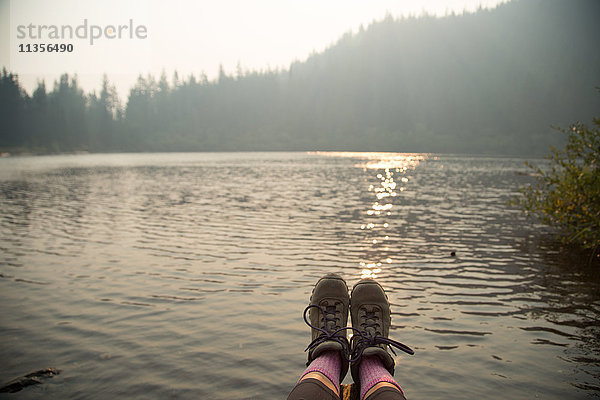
(376, 382)
(312, 389)
(385, 392)
(323, 378)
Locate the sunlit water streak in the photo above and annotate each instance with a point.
(185, 275)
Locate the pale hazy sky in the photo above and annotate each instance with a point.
(189, 36)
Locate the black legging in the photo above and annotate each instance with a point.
(314, 389)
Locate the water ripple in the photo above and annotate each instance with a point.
(150, 268)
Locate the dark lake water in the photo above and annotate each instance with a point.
(185, 275)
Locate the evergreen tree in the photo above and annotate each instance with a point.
(12, 101)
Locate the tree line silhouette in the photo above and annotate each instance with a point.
(492, 81)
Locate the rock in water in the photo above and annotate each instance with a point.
(33, 378)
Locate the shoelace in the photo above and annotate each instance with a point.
(363, 339)
(360, 339)
(325, 334)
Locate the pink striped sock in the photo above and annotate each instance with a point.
(371, 372)
(329, 364)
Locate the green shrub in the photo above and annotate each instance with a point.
(567, 194)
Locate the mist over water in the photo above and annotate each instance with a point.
(185, 275)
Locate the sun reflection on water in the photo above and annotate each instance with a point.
(378, 226)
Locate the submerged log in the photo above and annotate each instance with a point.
(33, 378)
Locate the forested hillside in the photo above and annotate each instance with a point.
(493, 81)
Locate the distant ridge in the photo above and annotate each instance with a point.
(492, 81)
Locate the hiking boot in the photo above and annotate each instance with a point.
(328, 313)
(371, 320)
